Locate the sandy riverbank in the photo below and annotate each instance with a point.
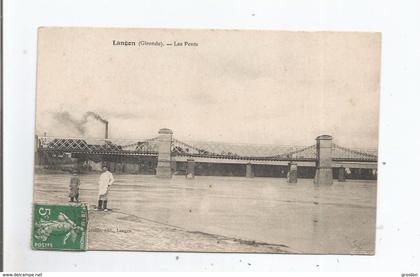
(120, 231)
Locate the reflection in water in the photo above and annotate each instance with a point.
(315, 215)
(338, 218)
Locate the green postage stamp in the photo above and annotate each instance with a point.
(59, 227)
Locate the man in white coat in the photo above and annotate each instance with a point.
(105, 181)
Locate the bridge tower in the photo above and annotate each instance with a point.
(190, 169)
(292, 174)
(249, 170)
(341, 174)
(323, 175)
(163, 169)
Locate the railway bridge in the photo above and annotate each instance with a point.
(165, 155)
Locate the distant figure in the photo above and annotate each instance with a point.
(105, 181)
(74, 188)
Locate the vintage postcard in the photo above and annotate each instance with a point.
(208, 140)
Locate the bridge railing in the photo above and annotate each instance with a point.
(341, 153)
(242, 151)
(237, 151)
(98, 145)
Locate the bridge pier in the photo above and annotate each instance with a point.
(292, 174)
(249, 171)
(163, 169)
(190, 170)
(341, 174)
(323, 175)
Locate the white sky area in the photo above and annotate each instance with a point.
(261, 87)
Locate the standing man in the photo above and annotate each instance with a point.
(105, 181)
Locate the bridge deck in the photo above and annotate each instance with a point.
(209, 152)
(309, 163)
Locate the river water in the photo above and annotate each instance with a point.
(307, 218)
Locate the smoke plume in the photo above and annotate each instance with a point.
(79, 125)
(93, 115)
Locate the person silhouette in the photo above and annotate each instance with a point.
(105, 181)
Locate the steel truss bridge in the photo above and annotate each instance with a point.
(208, 152)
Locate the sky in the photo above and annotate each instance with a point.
(262, 87)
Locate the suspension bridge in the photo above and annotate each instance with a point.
(168, 154)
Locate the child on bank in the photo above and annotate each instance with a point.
(74, 188)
